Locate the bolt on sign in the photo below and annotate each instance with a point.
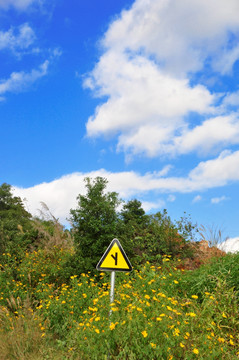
(114, 259)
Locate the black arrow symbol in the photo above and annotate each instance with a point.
(115, 257)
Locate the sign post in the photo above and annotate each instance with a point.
(114, 259)
(112, 289)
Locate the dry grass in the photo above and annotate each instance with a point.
(57, 236)
(212, 234)
(21, 337)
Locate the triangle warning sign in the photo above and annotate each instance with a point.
(114, 259)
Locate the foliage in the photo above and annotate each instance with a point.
(52, 306)
(153, 315)
(94, 223)
(205, 278)
(16, 230)
(161, 236)
(132, 228)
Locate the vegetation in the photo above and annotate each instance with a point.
(94, 223)
(53, 305)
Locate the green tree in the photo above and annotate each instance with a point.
(95, 223)
(16, 231)
(163, 237)
(133, 227)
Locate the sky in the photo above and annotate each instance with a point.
(144, 93)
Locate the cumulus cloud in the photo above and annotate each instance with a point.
(216, 172)
(17, 39)
(216, 132)
(230, 245)
(148, 70)
(60, 194)
(150, 206)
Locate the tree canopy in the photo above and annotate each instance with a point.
(16, 231)
(94, 222)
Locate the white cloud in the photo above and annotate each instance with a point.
(17, 39)
(217, 200)
(60, 195)
(18, 81)
(231, 99)
(145, 106)
(18, 4)
(150, 56)
(149, 206)
(197, 198)
(230, 245)
(216, 172)
(213, 133)
(173, 31)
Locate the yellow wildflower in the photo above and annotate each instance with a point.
(144, 333)
(194, 296)
(112, 326)
(195, 351)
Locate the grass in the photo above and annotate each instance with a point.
(159, 312)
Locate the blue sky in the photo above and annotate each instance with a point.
(142, 92)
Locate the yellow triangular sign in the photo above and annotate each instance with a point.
(114, 259)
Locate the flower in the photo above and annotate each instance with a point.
(144, 333)
(176, 332)
(194, 297)
(112, 326)
(153, 345)
(195, 351)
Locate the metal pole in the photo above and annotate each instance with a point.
(112, 288)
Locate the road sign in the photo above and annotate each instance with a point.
(114, 259)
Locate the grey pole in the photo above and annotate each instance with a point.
(112, 288)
